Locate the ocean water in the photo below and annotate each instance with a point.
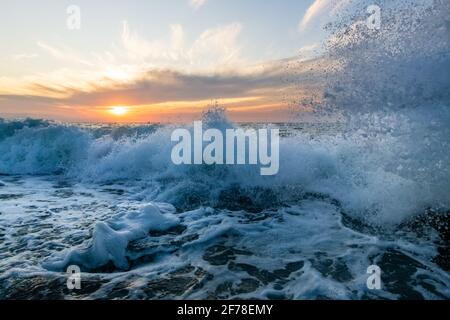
(370, 189)
(109, 200)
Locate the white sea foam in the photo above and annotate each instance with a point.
(110, 241)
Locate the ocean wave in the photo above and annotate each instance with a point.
(366, 176)
(390, 163)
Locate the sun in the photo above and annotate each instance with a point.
(119, 111)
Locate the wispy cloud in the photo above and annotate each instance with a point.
(309, 51)
(24, 56)
(321, 9)
(63, 54)
(316, 9)
(214, 48)
(156, 86)
(249, 92)
(197, 3)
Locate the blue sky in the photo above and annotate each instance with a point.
(269, 28)
(128, 52)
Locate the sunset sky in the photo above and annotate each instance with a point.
(146, 61)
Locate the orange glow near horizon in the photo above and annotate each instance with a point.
(119, 111)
